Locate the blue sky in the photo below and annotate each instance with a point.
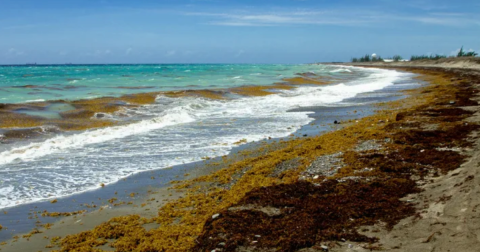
(228, 31)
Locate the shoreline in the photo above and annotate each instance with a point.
(322, 116)
(366, 128)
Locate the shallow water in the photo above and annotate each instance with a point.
(175, 131)
(52, 111)
(52, 82)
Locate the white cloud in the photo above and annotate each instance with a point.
(128, 51)
(15, 52)
(239, 53)
(444, 19)
(238, 24)
(342, 17)
(279, 18)
(455, 52)
(99, 53)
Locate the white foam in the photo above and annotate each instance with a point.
(5, 191)
(62, 142)
(344, 70)
(37, 100)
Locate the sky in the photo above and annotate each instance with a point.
(231, 31)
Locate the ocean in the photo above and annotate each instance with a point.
(171, 131)
(52, 82)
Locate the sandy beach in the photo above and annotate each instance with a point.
(239, 126)
(397, 176)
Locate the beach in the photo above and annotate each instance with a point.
(392, 169)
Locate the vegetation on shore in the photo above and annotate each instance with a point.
(396, 58)
(427, 57)
(460, 54)
(368, 58)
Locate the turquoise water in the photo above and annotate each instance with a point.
(54, 82)
(50, 112)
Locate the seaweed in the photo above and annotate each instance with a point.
(309, 214)
(438, 114)
(454, 136)
(405, 162)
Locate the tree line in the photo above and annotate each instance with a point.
(396, 58)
